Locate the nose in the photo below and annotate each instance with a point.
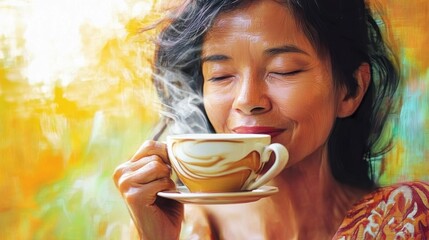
(251, 96)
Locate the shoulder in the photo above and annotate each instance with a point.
(400, 210)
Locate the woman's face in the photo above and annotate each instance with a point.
(262, 75)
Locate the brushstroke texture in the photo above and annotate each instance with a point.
(76, 100)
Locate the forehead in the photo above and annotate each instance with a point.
(264, 21)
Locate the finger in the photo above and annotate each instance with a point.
(130, 166)
(151, 147)
(148, 173)
(119, 171)
(135, 165)
(147, 194)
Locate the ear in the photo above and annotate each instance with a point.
(348, 104)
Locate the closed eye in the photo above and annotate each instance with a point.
(291, 73)
(220, 78)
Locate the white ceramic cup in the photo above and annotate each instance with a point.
(224, 162)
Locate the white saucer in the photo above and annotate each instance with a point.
(184, 196)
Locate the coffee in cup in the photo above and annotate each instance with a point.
(224, 162)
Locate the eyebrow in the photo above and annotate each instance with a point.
(215, 58)
(284, 49)
(269, 51)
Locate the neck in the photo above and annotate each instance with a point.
(310, 204)
(311, 201)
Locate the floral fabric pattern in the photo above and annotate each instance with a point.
(399, 211)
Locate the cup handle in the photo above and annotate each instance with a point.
(282, 157)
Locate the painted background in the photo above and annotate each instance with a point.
(76, 100)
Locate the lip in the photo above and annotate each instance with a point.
(272, 131)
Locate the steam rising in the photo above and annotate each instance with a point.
(182, 106)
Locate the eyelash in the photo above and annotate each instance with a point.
(214, 79)
(292, 73)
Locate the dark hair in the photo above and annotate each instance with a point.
(343, 30)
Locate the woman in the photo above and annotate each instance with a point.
(318, 78)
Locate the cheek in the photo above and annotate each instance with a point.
(217, 108)
(305, 101)
(312, 109)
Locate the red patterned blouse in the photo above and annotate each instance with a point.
(400, 211)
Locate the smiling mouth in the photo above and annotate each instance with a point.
(259, 130)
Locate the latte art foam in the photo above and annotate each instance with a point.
(195, 160)
(211, 163)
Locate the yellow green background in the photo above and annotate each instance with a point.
(76, 101)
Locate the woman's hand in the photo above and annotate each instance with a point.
(139, 180)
